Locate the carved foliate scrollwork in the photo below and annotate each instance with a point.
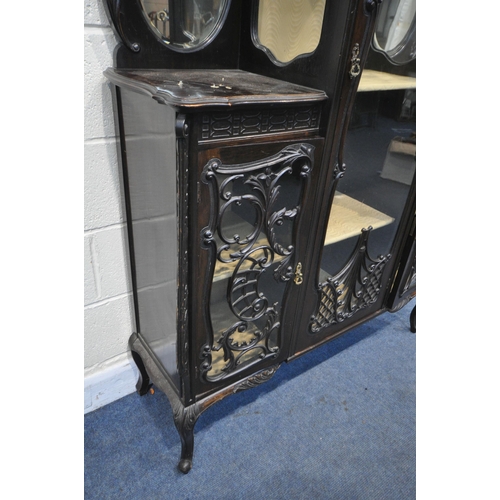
(355, 287)
(182, 130)
(257, 191)
(257, 379)
(234, 350)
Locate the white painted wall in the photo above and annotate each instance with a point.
(108, 308)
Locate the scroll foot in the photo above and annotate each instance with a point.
(185, 465)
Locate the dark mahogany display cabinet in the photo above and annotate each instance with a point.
(268, 156)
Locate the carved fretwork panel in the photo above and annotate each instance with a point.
(355, 287)
(230, 124)
(250, 235)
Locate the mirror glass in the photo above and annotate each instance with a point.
(186, 26)
(395, 32)
(287, 29)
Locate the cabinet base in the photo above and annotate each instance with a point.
(185, 417)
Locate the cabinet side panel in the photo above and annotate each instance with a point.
(150, 158)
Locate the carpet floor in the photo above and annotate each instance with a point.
(337, 423)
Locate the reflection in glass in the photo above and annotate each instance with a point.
(380, 158)
(395, 32)
(150, 140)
(188, 25)
(287, 29)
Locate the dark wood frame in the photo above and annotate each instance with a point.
(333, 70)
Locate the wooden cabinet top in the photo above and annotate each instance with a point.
(193, 88)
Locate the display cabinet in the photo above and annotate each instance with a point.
(269, 183)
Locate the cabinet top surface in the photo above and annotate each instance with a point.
(193, 88)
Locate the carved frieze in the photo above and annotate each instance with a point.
(230, 124)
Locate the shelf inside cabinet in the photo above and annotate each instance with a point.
(349, 216)
(378, 80)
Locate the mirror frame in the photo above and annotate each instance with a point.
(405, 51)
(179, 47)
(254, 22)
(119, 12)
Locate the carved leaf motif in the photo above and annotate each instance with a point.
(257, 185)
(257, 379)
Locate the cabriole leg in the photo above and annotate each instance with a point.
(185, 420)
(185, 417)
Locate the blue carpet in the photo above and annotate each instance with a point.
(337, 423)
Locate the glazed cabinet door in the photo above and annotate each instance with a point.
(367, 211)
(251, 211)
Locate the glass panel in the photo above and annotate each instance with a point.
(287, 29)
(380, 158)
(255, 209)
(150, 142)
(188, 25)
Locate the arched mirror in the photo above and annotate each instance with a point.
(287, 29)
(395, 32)
(185, 26)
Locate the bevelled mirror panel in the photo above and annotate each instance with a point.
(395, 31)
(287, 29)
(186, 26)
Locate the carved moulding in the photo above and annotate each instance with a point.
(253, 334)
(355, 287)
(229, 124)
(257, 379)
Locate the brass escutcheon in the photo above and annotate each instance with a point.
(299, 278)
